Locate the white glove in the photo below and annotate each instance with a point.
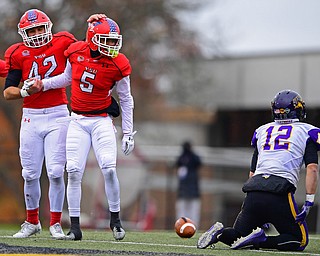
(128, 143)
(27, 84)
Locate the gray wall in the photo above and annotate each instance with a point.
(244, 82)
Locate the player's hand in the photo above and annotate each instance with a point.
(28, 83)
(31, 86)
(95, 17)
(36, 87)
(128, 143)
(301, 217)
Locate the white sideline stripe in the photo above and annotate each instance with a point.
(106, 241)
(179, 245)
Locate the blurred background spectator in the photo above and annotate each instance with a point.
(188, 197)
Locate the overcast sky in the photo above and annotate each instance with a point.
(266, 25)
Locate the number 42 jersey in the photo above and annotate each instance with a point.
(281, 148)
(42, 62)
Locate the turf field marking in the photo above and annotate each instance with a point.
(179, 245)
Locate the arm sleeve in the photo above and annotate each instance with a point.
(59, 81)
(126, 104)
(13, 79)
(254, 160)
(311, 153)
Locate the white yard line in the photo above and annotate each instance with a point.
(182, 246)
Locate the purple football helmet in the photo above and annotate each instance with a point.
(288, 104)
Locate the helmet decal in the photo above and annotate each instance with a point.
(32, 15)
(113, 26)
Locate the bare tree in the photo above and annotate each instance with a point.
(158, 34)
(153, 34)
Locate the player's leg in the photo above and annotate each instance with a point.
(181, 208)
(31, 157)
(194, 206)
(105, 148)
(292, 236)
(247, 221)
(247, 231)
(78, 145)
(55, 156)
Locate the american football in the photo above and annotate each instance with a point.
(185, 227)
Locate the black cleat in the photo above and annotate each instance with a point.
(118, 233)
(74, 234)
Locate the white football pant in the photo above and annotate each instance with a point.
(41, 137)
(100, 133)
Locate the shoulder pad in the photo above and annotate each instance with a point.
(13, 48)
(66, 34)
(75, 47)
(122, 62)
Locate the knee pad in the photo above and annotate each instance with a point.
(34, 182)
(56, 181)
(109, 172)
(29, 175)
(55, 171)
(74, 177)
(107, 162)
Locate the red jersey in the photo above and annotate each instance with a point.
(93, 78)
(3, 70)
(42, 62)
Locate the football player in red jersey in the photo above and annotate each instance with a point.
(3, 70)
(40, 55)
(94, 69)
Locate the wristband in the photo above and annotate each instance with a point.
(24, 93)
(310, 198)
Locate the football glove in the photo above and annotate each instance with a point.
(301, 217)
(128, 143)
(28, 83)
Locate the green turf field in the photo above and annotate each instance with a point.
(135, 243)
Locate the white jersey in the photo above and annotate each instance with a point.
(281, 148)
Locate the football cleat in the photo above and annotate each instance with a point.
(210, 237)
(28, 229)
(116, 227)
(250, 241)
(118, 233)
(74, 234)
(56, 231)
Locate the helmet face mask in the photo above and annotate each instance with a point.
(104, 36)
(32, 19)
(288, 105)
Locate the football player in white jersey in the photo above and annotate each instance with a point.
(281, 148)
